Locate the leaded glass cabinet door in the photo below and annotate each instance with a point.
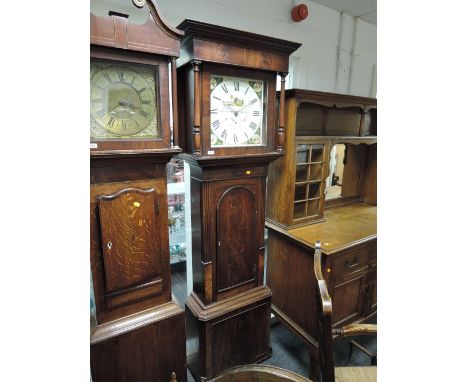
(308, 185)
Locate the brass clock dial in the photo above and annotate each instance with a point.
(123, 101)
(237, 110)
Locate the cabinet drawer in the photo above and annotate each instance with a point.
(350, 261)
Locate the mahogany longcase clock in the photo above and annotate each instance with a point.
(229, 129)
(138, 333)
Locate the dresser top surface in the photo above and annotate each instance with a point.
(344, 226)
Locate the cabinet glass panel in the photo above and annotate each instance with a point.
(300, 193)
(176, 211)
(302, 155)
(309, 168)
(312, 207)
(314, 190)
(299, 210)
(315, 172)
(179, 225)
(301, 173)
(317, 153)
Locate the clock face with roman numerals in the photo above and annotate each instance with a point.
(123, 101)
(237, 110)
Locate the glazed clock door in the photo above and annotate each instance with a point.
(236, 238)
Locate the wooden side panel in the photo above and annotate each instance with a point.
(352, 170)
(316, 120)
(186, 89)
(236, 238)
(150, 353)
(128, 223)
(370, 184)
(311, 119)
(239, 339)
(290, 273)
(343, 122)
(281, 173)
(198, 279)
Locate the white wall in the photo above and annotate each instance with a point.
(319, 64)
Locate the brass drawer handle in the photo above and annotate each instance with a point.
(351, 264)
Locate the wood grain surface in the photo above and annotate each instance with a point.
(342, 227)
(131, 252)
(236, 233)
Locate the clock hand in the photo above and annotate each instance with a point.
(123, 102)
(243, 107)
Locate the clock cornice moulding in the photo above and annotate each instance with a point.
(216, 33)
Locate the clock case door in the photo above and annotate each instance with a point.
(161, 69)
(238, 236)
(129, 244)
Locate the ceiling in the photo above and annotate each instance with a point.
(364, 9)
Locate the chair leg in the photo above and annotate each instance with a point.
(351, 347)
(314, 364)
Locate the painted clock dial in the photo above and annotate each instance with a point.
(123, 101)
(237, 112)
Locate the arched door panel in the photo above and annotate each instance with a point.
(236, 227)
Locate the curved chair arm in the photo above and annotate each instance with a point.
(321, 284)
(355, 330)
(259, 373)
(324, 311)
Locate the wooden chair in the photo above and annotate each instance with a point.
(327, 334)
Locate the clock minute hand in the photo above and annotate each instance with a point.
(243, 107)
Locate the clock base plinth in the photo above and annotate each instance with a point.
(143, 347)
(227, 333)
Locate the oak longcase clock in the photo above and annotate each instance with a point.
(132, 77)
(229, 130)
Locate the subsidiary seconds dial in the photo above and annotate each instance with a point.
(236, 112)
(123, 102)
